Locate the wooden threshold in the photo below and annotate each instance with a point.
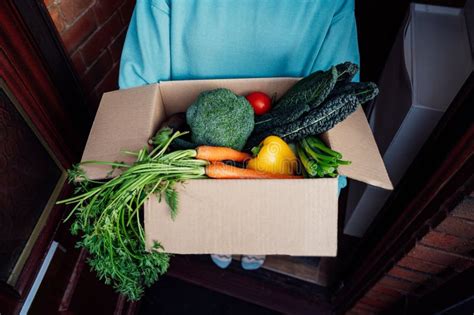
(262, 287)
(307, 269)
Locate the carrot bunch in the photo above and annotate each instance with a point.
(213, 157)
(217, 169)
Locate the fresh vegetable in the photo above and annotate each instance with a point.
(309, 88)
(345, 73)
(210, 153)
(309, 165)
(224, 171)
(203, 152)
(306, 94)
(316, 121)
(364, 91)
(317, 145)
(314, 105)
(183, 144)
(317, 159)
(274, 156)
(220, 118)
(260, 102)
(176, 122)
(107, 214)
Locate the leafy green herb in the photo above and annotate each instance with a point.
(107, 214)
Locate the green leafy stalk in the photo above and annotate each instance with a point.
(315, 143)
(310, 166)
(317, 159)
(107, 214)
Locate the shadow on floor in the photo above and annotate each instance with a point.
(172, 296)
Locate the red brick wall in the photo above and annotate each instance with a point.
(93, 32)
(444, 251)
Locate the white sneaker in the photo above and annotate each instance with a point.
(222, 261)
(252, 262)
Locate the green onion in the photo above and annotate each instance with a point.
(318, 160)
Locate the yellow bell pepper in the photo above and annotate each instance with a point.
(274, 156)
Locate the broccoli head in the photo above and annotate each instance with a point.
(220, 118)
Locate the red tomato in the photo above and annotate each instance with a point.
(260, 102)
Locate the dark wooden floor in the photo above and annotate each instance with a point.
(173, 296)
(264, 287)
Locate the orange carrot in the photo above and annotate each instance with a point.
(221, 170)
(210, 153)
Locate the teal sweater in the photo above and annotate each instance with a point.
(201, 39)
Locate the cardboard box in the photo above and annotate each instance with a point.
(292, 217)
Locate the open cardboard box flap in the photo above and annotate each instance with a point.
(293, 217)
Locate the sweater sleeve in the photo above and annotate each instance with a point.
(340, 43)
(146, 53)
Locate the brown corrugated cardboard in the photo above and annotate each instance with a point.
(124, 122)
(354, 139)
(293, 217)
